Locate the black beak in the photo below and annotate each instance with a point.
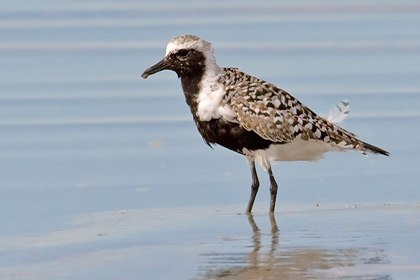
(161, 65)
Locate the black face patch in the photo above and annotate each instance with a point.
(187, 62)
(182, 52)
(190, 66)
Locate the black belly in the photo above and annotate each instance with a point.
(231, 135)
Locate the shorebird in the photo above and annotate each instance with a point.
(251, 116)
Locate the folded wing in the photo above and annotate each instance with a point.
(275, 115)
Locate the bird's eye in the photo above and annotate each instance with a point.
(183, 52)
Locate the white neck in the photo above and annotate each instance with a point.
(211, 91)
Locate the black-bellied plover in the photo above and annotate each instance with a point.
(250, 116)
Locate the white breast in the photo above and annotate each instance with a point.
(209, 97)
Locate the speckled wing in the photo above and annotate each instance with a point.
(277, 116)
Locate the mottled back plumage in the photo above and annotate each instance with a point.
(277, 116)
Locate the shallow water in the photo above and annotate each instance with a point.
(104, 175)
(331, 241)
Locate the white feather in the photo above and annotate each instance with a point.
(339, 112)
(227, 112)
(209, 97)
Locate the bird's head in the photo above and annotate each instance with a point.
(186, 55)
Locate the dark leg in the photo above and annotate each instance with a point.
(254, 187)
(273, 190)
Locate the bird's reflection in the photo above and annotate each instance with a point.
(268, 259)
(256, 237)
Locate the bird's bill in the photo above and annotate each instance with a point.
(161, 65)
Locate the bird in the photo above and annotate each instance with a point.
(252, 117)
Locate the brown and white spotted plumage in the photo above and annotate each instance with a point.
(277, 116)
(251, 116)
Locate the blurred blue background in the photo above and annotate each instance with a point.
(81, 132)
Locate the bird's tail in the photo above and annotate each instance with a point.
(339, 113)
(373, 149)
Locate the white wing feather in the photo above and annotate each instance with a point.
(339, 112)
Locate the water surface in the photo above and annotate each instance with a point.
(104, 175)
